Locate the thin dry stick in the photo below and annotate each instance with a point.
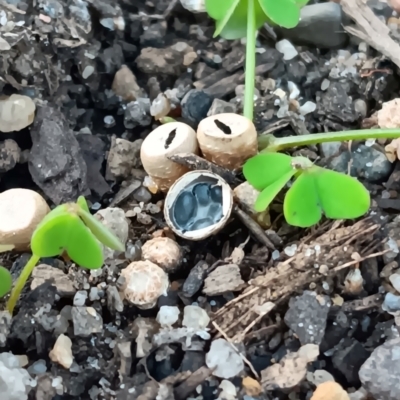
(350, 263)
(245, 360)
(370, 29)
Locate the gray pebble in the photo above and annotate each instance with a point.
(368, 163)
(307, 317)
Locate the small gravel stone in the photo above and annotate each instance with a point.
(94, 294)
(223, 279)
(125, 84)
(123, 157)
(62, 352)
(114, 219)
(330, 149)
(325, 84)
(287, 49)
(219, 106)
(379, 166)
(46, 273)
(86, 321)
(195, 317)
(15, 382)
(324, 18)
(195, 279)
(395, 281)
(160, 107)
(348, 359)
(80, 298)
(137, 113)
(223, 360)
(38, 367)
(9, 155)
(142, 194)
(307, 108)
(307, 316)
(195, 105)
(319, 376)
(391, 304)
(168, 315)
(114, 301)
(380, 373)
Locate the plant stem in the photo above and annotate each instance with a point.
(250, 61)
(270, 143)
(25, 274)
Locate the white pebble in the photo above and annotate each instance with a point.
(307, 108)
(87, 72)
(167, 315)
(290, 251)
(287, 49)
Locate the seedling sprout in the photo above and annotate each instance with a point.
(315, 191)
(236, 19)
(5, 281)
(71, 229)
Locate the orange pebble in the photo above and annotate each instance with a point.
(330, 391)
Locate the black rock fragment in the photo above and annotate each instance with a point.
(56, 162)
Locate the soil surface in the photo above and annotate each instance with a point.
(257, 311)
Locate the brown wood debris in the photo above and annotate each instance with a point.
(332, 247)
(370, 29)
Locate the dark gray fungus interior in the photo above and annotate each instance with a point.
(198, 206)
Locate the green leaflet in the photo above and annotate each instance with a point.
(65, 231)
(341, 196)
(301, 205)
(218, 9)
(319, 190)
(101, 232)
(270, 192)
(5, 281)
(263, 170)
(51, 236)
(235, 27)
(285, 13)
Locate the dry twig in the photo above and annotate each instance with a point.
(333, 248)
(370, 29)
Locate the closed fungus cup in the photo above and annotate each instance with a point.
(145, 282)
(227, 140)
(198, 205)
(164, 252)
(21, 210)
(166, 140)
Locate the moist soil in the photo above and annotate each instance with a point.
(100, 71)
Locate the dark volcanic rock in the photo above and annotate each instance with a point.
(56, 162)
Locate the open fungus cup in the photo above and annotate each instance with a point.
(166, 140)
(198, 205)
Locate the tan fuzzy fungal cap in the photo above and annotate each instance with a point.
(145, 283)
(164, 252)
(227, 139)
(21, 210)
(330, 391)
(164, 141)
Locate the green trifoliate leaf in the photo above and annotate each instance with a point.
(264, 169)
(270, 192)
(285, 13)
